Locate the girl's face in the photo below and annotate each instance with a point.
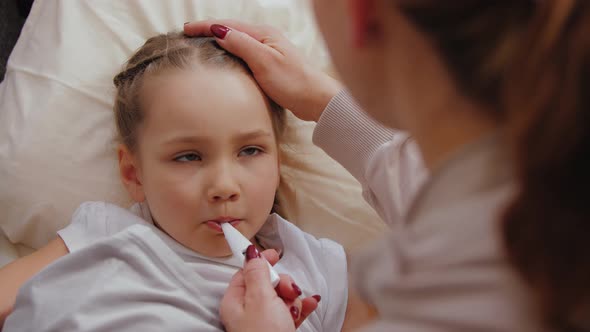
(207, 154)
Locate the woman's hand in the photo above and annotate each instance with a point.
(252, 304)
(276, 64)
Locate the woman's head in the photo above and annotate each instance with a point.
(525, 65)
(198, 140)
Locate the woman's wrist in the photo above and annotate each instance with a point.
(322, 88)
(331, 89)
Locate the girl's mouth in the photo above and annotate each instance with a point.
(216, 225)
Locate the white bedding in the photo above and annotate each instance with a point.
(56, 126)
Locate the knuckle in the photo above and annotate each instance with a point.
(268, 28)
(255, 266)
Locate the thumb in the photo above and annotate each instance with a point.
(241, 44)
(233, 299)
(257, 280)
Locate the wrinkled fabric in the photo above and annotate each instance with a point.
(124, 274)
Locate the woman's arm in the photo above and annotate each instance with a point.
(358, 312)
(386, 162)
(15, 274)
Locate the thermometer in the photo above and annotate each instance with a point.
(239, 243)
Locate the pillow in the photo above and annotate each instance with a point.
(57, 132)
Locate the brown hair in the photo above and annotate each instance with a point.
(529, 62)
(164, 52)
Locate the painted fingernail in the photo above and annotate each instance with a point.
(317, 298)
(295, 312)
(185, 23)
(252, 252)
(219, 31)
(296, 289)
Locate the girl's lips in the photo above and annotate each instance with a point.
(216, 226)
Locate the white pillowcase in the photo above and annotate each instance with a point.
(56, 125)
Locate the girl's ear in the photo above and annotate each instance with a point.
(130, 173)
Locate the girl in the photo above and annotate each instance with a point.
(199, 147)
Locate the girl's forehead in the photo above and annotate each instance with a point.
(204, 86)
(207, 100)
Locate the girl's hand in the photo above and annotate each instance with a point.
(277, 66)
(251, 304)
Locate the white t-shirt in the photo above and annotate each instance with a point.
(123, 273)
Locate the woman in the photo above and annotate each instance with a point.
(492, 93)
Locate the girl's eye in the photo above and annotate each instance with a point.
(188, 157)
(250, 151)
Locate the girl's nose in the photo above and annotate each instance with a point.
(225, 196)
(224, 187)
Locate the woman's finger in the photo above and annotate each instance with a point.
(271, 255)
(256, 277)
(233, 299)
(243, 45)
(308, 305)
(295, 310)
(287, 289)
(203, 28)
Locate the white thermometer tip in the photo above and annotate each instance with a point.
(238, 244)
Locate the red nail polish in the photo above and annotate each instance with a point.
(317, 298)
(219, 31)
(296, 289)
(295, 312)
(252, 252)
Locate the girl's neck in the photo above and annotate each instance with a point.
(256, 243)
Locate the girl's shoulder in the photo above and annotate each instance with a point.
(96, 220)
(99, 208)
(316, 258)
(105, 212)
(279, 233)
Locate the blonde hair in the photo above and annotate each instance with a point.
(164, 52)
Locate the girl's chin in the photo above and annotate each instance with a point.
(221, 250)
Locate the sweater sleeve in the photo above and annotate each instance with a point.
(386, 162)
